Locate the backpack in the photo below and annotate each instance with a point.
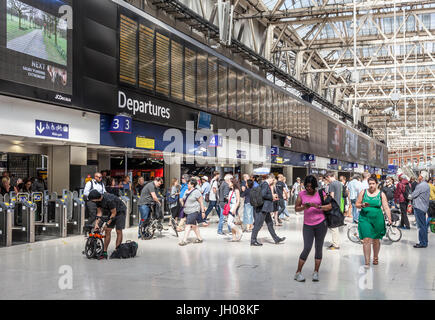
(125, 250)
(334, 217)
(256, 198)
(407, 193)
(169, 199)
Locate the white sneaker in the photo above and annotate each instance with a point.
(315, 276)
(299, 277)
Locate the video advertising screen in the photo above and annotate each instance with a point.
(335, 139)
(36, 46)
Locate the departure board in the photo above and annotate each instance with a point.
(262, 107)
(223, 90)
(232, 94)
(255, 107)
(201, 72)
(176, 70)
(162, 64)
(248, 99)
(269, 108)
(127, 50)
(240, 96)
(212, 84)
(189, 75)
(146, 57)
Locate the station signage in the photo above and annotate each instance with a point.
(135, 105)
(216, 141)
(308, 157)
(145, 143)
(121, 124)
(51, 129)
(279, 160)
(274, 151)
(333, 161)
(241, 154)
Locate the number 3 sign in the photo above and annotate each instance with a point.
(121, 124)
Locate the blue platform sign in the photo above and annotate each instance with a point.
(241, 154)
(354, 165)
(333, 161)
(308, 157)
(216, 141)
(366, 167)
(51, 129)
(274, 151)
(120, 124)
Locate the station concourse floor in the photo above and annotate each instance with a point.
(219, 269)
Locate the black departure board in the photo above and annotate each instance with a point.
(223, 90)
(212, 84)
(189, 75)
(146, 57)
(240, 96)
(176, 70)
(127, 50)
(201, 73)
(162, 64)
(232, 94)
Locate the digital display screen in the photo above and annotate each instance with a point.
(36, 44)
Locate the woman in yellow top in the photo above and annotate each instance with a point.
(371, 222)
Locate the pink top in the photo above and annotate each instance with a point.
(312, 216)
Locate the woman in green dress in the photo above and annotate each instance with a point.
(371, 223)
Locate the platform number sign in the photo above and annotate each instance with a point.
(216, 141)
(334, 161)
(274, 151)
(308, 157)
(121, 124)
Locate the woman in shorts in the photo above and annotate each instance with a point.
(193, 205)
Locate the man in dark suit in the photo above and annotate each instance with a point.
(263, 213)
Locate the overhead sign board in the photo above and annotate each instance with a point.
(308, 157)
(51, 129)
(274, 151)
(121, 124)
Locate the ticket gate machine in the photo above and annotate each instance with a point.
(135, 216)
(78, 214)
(126, 198)
(54, 220)
(17, 219)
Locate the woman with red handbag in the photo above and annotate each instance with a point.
(230, 209)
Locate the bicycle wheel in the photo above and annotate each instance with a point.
(394, 233)
(99, 247)
(90, 248)
(147, 232)
(174, 226)
(352, 234)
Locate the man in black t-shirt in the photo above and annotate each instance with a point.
(116, 209)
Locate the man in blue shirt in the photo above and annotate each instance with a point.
(420, 202)
(184, 179)
(354, 187)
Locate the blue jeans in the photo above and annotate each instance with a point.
(144, 213)
(248, 214)
(211, 205)
(420, 216)
(221, 221)
(285, 211)
(355, 210)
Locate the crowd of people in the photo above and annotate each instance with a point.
(10, 183)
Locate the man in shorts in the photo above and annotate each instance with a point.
(116, 209)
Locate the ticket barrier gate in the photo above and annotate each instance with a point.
(135, 216)
(127, 201)
(17, 222)
(55, 218)
(78, 214)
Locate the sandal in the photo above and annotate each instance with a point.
(199, 241)
(375, 261)
(182, 243)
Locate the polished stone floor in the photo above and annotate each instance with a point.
(217, 269)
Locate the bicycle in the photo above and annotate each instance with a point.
(393, 233)
(150, 225)
(94, 246)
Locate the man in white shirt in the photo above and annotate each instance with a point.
(212, 197)
(354, 188)
(296, 189)
(365, 183)
(94, 184)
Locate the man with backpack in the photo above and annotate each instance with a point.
(261, 198)
(335, 189)
(148, 198)
(401, 197)
(109, 203)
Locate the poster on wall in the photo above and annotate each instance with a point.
(335, 139)
(36, 47)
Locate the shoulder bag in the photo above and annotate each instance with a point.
(227, 206)
(181, 213)
(334, 217)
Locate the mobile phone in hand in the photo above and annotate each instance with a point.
(366, 204)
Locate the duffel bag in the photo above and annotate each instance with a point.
(125, 250)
